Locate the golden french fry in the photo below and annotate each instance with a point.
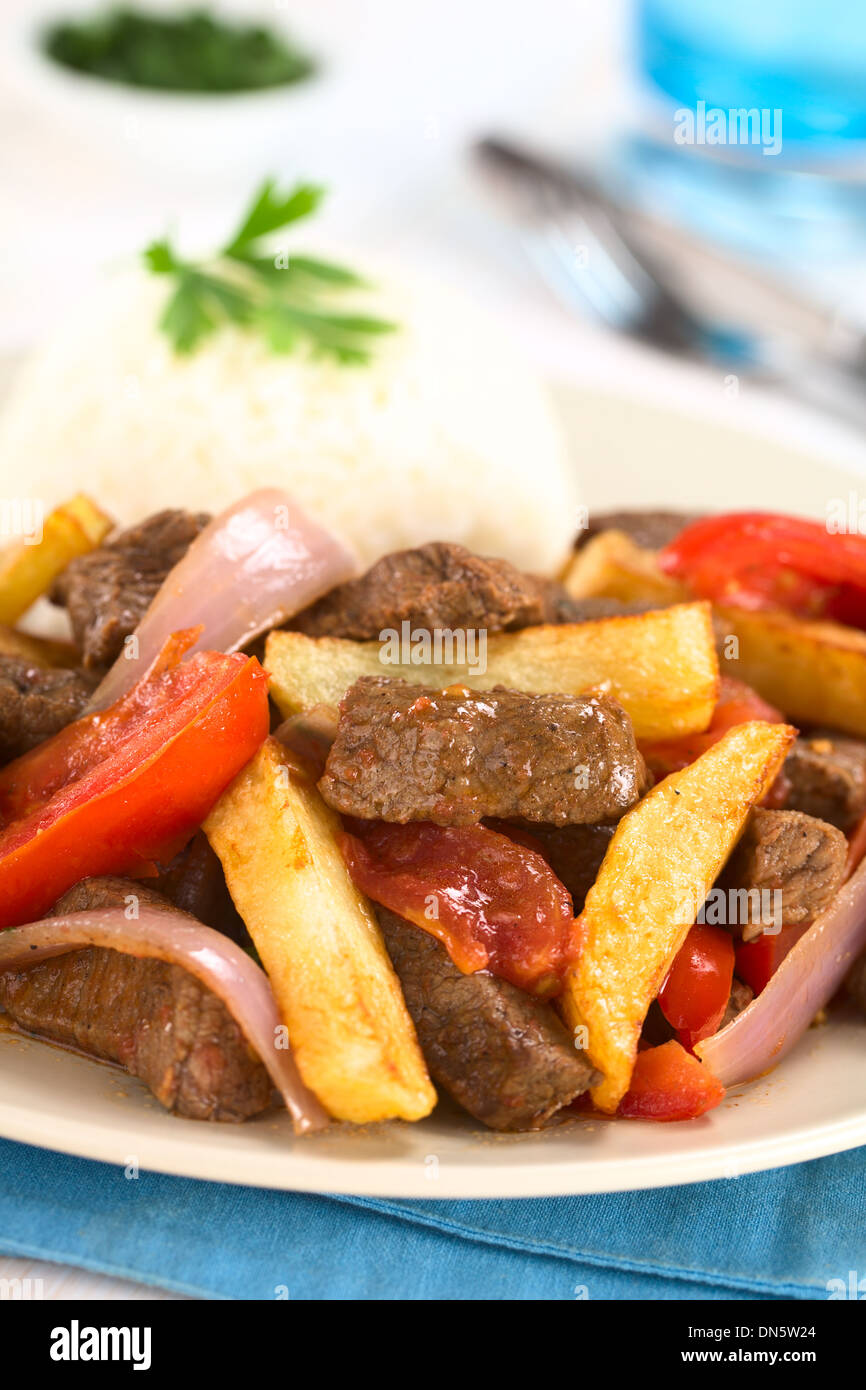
(27, 571)
(660, 666)
(662, 861)
(319, 942)
(610, 565)
(814, 671)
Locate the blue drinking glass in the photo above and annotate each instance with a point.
(806, 58)
(793, 70)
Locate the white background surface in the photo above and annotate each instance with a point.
(412, 82)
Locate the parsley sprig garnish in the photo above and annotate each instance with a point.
(287, 299)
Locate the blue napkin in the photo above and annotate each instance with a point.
(781, 1234)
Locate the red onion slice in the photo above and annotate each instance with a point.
(215, 960)
(249, 570)
(806, 980)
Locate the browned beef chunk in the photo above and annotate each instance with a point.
(741, 997)
(194, 881)
(827, 776)
(404, 752)
(109, 890)
(588, 610)
(439, 585)
(108, 591)
(801, 857)
(153, 1018)
(35, 703)
(649, 529)
(574, 852)
(502, 1054)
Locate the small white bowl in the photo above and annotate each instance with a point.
(202, 134)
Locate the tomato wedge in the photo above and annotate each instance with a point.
(116, 790)
(493, 903)
(767, 560)
(758, 960)
(695, 994)
(668, 1083)
(738, 703)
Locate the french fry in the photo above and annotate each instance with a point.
(660, 666)
(814, 671)
(39, 651)
(27, 571)
(319, 942)
(610, 565)
(663, 859)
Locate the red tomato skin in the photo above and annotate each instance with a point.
(758, 961)
(499, 905)
(669, 1084)
(147, 815)
(767, 560)
(695, 994)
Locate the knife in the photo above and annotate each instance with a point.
(617, 263)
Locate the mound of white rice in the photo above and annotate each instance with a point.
(443, 436)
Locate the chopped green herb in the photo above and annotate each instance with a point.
(287, 299)
(189, 52)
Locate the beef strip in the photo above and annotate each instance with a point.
(108, 591)
(404, 752)
(151, 1017)
(588, 610)
(501, 1053)
(802, 857)
(574, 852)
(438, 585)
(652, 530)
(194, 882)
(444, 586)
(741, 997)
(826, 773)
(35, 703)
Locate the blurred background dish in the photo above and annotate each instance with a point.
(196, 134)
(399, 96)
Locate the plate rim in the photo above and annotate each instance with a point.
(400, 1180)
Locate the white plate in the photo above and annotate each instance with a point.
(813, 1104)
